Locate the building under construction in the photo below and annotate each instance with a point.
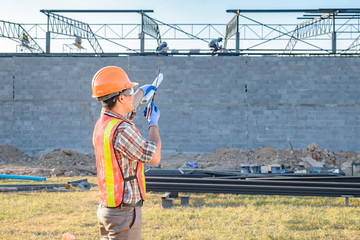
(269, 83)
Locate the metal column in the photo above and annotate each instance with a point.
(47, 42)
(333, 44)
(142, 35)
(142, 42)
(48, 36)
(237, 35)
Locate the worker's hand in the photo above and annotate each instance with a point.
(154, 115)
(147, 88)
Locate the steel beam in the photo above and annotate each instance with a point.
(258, 187)
(320, 10)
(48, 37)
(71, 27)
(317, 26)
(270, 10)
(92, 11)
(252, 189)
(175, 26)
(82, 184)
(264, 181)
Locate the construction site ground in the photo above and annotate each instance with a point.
(71, 163)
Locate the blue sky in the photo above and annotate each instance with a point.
(169, 11)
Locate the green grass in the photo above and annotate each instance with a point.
(48, 215)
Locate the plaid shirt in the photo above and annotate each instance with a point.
(130, 147)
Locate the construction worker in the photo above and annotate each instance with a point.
(24, 39)
(214, 44)
(78, 40)
(120, 153)
(162, 48)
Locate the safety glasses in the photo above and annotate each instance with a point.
(128, 92)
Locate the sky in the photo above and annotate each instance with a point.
(168, 11)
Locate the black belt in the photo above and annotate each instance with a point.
(138, 204)
(129, 178)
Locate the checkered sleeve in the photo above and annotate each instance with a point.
(132, 145)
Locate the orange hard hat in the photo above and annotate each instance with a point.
(109, 80)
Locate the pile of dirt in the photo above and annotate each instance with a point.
(57, 163)
(234, 159)
(222, 158)
(72, 163)
(68, 163)
(11, 155)
(15, 162)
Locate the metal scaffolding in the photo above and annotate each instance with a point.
(246, 33)
(14, 31)
(322, 22)
(314, 27)
(67, 26)
(70, 27)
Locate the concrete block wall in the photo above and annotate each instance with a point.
(206, 103)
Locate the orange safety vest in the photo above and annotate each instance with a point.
(109, 175)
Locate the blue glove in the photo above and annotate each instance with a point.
(154, 115)
(147, 88)
(193, 165)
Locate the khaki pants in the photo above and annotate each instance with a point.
(120, 223)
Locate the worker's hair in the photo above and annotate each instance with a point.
(109, 103)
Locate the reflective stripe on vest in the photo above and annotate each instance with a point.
(109, 174)
(143, 177)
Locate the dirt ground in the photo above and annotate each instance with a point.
(72, 163)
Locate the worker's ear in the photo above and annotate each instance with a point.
(120, 98)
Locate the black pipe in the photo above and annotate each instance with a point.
(254, 187)
(252, 182)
